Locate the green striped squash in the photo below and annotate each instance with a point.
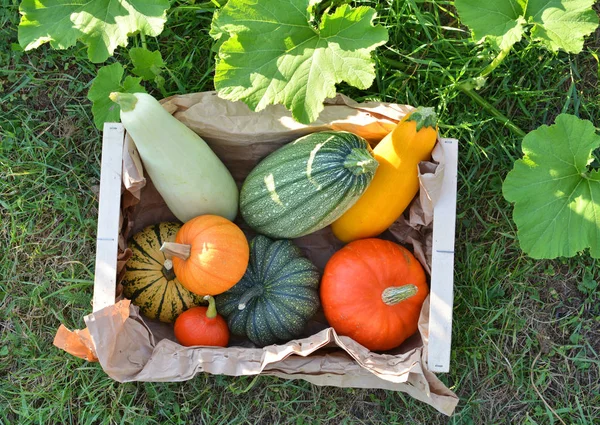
(149, 280)
(307, 184)
(277, 295)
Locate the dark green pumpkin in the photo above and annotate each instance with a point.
(307, 184)
(276, 297)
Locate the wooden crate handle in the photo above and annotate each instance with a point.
(107, 239)
(442, 265)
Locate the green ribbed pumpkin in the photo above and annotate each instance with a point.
(307, 184)
(276, 297)
(150, 283)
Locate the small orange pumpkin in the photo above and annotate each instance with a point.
(202, 326)
(372, 291)
(210, 254)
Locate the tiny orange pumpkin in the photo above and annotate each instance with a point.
(210, 254)
(202, 326)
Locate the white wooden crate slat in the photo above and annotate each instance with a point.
(442, 265)
(107, 238)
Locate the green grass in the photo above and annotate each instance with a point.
(526, 333)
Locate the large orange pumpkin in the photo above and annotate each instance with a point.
(372, 291)
(210, 254)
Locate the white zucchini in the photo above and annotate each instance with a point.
(186, 172)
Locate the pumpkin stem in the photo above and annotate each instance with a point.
(360, 161)
(255, 291)
(167, 269)
(396, 294)
(179, 250)
(211, 313)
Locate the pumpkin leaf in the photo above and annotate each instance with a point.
(108, 80)
(270, 53)
(562, 24)
(147, 64)
(557, 24)
(501, 22)
(102, 25)
(555, 191)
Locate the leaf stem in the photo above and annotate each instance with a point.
(467, 88)
(178, 83)
(143, 38)
(394, 63)
(496, 62)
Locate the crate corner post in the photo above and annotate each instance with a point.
(107, 237)
(442, 273)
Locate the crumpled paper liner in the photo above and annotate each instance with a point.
(78, 343)
(132, 348)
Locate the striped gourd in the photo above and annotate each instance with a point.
(307, 184)
(149, 281)
(277, 295)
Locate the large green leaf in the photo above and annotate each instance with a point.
(100, 24)
(270, 53)
(562, 24)
(147, 64)
(556, 194)
(557, 24)
(500, 21)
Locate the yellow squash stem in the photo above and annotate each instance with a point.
(396, 181)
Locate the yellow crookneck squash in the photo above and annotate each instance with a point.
(396, 181)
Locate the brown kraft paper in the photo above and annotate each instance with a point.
(132, 348)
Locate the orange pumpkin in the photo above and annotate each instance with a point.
(372, 291)
(202, 326)
(210, 254)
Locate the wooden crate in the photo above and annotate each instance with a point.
(442, 271)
